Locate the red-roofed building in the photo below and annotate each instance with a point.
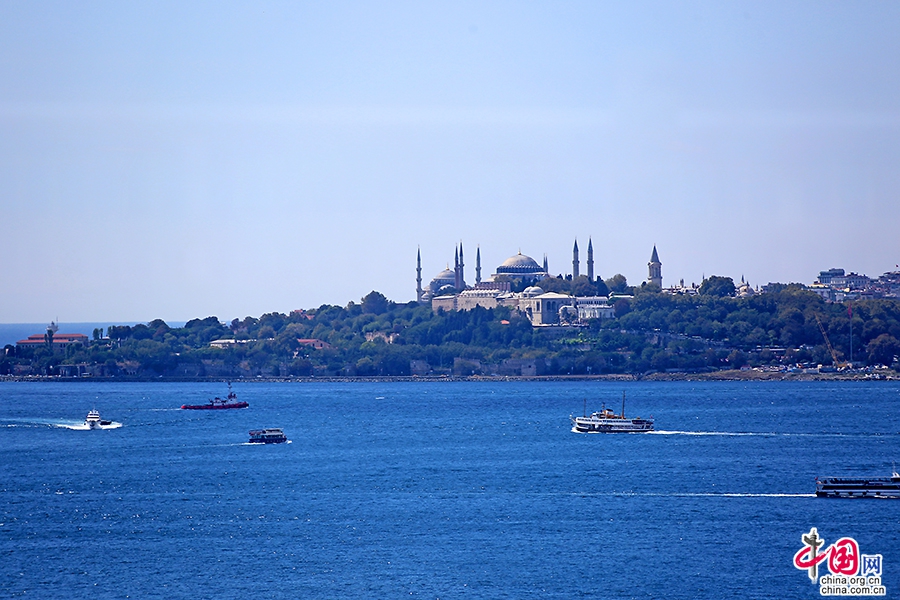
(61, 341)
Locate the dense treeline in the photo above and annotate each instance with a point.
(651, 332)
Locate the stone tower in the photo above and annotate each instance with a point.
(655, 268)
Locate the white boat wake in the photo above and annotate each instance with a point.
(86, 427)
(767, 434)
(728, 433)
(59, 423)
(696, 495)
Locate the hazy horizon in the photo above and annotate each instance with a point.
(179, 160)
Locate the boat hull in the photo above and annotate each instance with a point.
(214, 406)
(267, 436)
(591, 425)
(844, 487)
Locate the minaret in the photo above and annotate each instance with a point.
(478, 264)
(419, 275)
(456, 267)
(546, 269)
(590, 260)
(575, 260)
(462, 269)
(655, 268)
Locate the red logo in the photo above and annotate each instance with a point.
(843, 555)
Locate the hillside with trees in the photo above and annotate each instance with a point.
(651, 332)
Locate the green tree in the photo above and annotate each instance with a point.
(375, 303)
(737, 359)
(883, 349)
(617, 283)
(717, 286)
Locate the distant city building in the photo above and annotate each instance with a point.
(594, 307)
(825, 277)
(469, 299)
(543, 308)
(315, 343)
(835, 285)
(448, 290)
(58, 342)
(682, 290)
(228, 343)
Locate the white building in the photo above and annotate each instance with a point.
(594, 307)
(543, 308)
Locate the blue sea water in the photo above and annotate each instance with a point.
(436, 490)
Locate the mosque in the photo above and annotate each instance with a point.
(514, 272)
(515, 283)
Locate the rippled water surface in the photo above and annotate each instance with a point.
(436, 490)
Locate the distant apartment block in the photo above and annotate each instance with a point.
(835, 285)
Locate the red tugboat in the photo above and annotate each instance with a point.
(229, 401)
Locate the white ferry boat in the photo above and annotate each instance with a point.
(859, 487)
(267, 436)
(606, 421)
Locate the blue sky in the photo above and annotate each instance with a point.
(180, 160)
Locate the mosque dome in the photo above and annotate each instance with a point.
(443, 279)
(519, 263)
(532, 291)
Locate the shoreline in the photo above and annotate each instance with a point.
(728, 375)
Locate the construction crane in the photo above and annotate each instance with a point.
(834, 356)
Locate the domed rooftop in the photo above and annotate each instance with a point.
(443, 279)
(532, 291)
(446, 274)
(519, 263)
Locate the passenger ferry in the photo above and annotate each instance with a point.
(267, 436)
(606, 421)
(859, 487)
